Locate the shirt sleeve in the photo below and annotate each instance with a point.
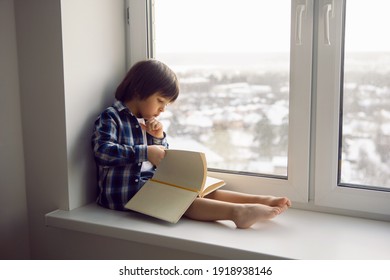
(108, 151)
(158, 141)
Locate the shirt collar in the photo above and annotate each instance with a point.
(120, 106)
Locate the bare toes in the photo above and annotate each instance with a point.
(250, 214)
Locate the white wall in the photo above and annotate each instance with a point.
(13, 213)
(65, 78)
(93, 40)
(38, 31)
(71, 57)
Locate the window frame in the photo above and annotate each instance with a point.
(328, 192)
(296, 185)
(313, 117)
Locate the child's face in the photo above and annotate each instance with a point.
(152, 106)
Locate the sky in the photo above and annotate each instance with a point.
(257, 25)
(367, 25)
(222, 25)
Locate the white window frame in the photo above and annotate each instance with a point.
(313, 124)
(330, 55)
(296, 186)
(297, 183)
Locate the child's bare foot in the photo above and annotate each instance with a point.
(275, 201)
(248, 214)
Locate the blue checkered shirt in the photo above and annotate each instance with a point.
(119, 151)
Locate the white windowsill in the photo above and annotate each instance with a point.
(296, 234)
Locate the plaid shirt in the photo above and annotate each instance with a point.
(119, 152)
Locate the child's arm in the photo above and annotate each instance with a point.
(108, 151)
(156, 151)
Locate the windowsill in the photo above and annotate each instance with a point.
(296, 234)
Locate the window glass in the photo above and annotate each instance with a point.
(365, 142)
(232, 59)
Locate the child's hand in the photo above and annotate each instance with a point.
(156, 153)
(154, 128)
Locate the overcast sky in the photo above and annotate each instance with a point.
(222, 25)
(257, 25)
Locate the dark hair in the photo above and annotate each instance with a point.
(146, 78)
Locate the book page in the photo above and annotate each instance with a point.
(211, 185)
(186, 169)
(161, 201)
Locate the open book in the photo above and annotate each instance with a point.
(178, 180)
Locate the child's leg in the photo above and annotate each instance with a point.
(243, 215)
(236, 197)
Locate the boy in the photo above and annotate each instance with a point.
(129, 142)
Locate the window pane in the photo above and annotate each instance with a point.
(366, 95)
(232, 60)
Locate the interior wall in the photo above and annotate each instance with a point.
(39, 43)
(71, 58)
(93, 39)
(13, 215)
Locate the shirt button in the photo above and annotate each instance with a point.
(136, 180)
(137, 126)
(139, 164)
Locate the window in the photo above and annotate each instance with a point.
(236, 101)
(352, 166)
(234, 77)
(365, 140)
(277, 102)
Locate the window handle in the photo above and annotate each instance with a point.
(298, 23)
(328, 12)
